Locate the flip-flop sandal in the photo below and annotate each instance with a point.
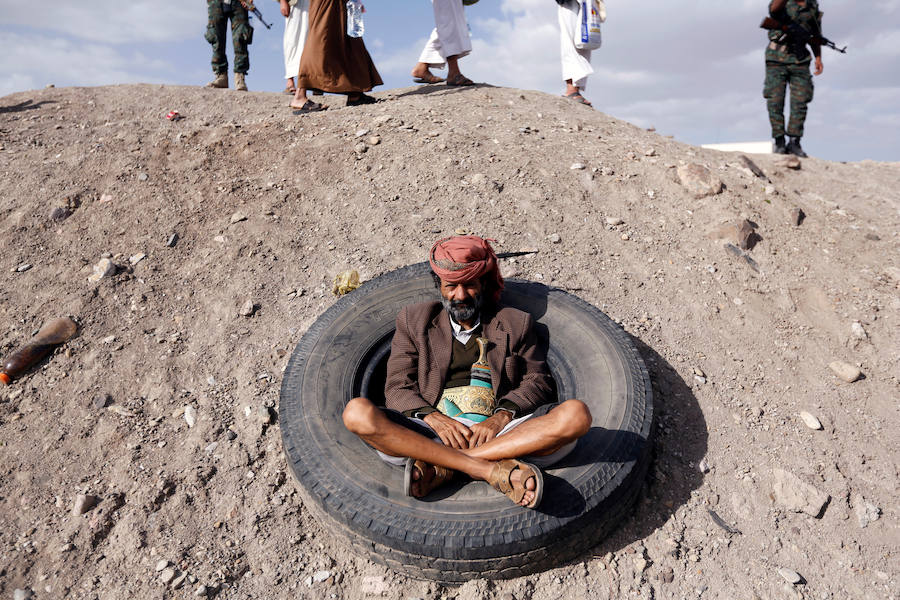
(430, 78)
(441, 476)
(309, 107)
(501, 480)
(460, 81)
(577, 97)
(363, 99)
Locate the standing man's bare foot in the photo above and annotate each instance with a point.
(421, 73)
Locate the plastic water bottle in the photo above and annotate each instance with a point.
(355, 26)
(51, 335)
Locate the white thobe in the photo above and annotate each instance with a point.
(296, 26)
(576, 64)
(450, 36)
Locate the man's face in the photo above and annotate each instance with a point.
(462, 300)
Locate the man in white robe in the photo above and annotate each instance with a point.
(448, 43)
(296, 26)
(576, 64)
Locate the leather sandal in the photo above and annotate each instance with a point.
(441, 476)
(501, 480)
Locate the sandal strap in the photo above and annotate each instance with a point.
(501, 479)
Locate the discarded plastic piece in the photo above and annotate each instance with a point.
(345, 283)
(173, 115)
(52, 334)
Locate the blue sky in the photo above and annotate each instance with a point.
(693, 70)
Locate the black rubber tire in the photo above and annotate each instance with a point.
(468, 530)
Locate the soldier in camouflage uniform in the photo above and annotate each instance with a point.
(787, 64)
(241, 36)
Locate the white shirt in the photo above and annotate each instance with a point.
(463, 335)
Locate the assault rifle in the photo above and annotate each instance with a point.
(252, 8)
(799, 34)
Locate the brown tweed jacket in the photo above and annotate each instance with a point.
(421, 349)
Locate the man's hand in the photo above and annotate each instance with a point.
(489, 428)
(452, 432)
(819, 66)
(285, 9)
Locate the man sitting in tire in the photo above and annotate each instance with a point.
(437, 421)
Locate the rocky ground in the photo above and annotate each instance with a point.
(143, 459)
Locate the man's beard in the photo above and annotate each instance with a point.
(463, 310)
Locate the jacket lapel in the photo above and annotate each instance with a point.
(440, 340)
(496, 334)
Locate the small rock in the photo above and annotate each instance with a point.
(104, 198)
(866, 512)
(360, 148)
(211, 448)
(699, 379)
(749, 164)
(667, 576)
(554, 238)
(741, 233)
(792, 493)
(790, 576)
(231, 435)
(104, 268)
(238, 217)
(143, 177)
(373, 585)
(614, 221)
(190, 415)
(625, 237)
(84, 503)
(101, 401)
(845, 371)
(770, 190)
(698, 180)
(858, 331)
(172, 240)
(167, 575)
(640, 564)
(811, 421)
(137, 258)
(362, 132)
(162, 564)
(264, 415)
(374, 140)
(120, 410)
(797, 216)
(320, 576)
(219, 238)
(247, 309)
(23, 267)
(60, 214)
(699, 372)
(703, 467)
(577, 167)
(20, 594)
(178, 581)
(790, 162)
(873, 237)
(650, 152)
(200, 591)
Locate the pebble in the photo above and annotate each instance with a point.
(374, 140)
(104, 198)
(845, 371)
(699, 372)
(247, 309)
(167, 575)
(211, 448)
(373, 585)
(264, 415)
(362, 132)
(770, 189)
(231, 435)
(792, 577)
(625, 237)
(554, 238)
(699, 181)
(200, 591)
(190, 415)
(104, 268)
(858, 331)
(811, 421)
(577, 166)
(20, 594)
(797, 216)
(23, 267)
(143, 177)
(120, 410)
(238, 217)
(791, 162)
(219, 238)
(360, 148)
(866, 512)
(84, 503)
(178, 581)
(172, 240)
(699, 379)
(101, 401)
(162, 564)
(792, 493)
(613, 221)
(59, 214)
(320, 576)
(703, 467)
(137, 258)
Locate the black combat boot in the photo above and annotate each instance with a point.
(779, 147)
(794, 148)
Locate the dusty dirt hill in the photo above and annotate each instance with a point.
(242, 202)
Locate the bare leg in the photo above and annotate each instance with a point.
(574, 89)
(300, 98)
(540, 435)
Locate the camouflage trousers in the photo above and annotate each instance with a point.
(241, 36)
(778, 77)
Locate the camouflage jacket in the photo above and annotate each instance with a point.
(781, 47)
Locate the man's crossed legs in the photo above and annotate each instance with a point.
(537, 436)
